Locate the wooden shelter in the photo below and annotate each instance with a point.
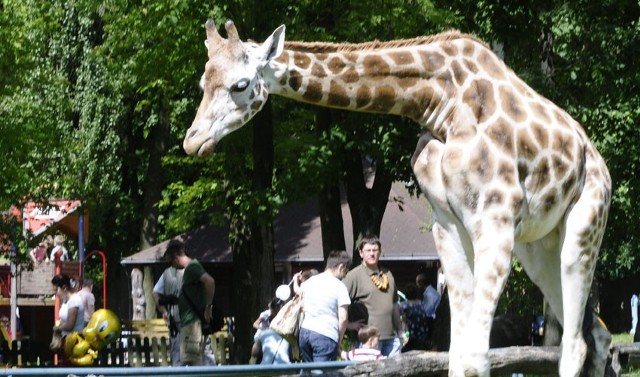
(407, 243)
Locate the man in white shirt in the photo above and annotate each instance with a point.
(325, 301)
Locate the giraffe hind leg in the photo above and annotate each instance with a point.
(584, 229)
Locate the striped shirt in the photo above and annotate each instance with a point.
(362, 354)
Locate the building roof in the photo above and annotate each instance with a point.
(405, 234)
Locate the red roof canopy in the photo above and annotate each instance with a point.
(59, 215)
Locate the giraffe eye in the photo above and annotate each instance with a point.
(240, 86)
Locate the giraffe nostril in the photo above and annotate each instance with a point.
(192, 134)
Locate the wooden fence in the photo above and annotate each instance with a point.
(146, 343)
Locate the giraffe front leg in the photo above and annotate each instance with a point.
(450, 243)
(493, 247)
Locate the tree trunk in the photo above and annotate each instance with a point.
(243, 302)
(329, 202)
(253, 258)
(503, 361)
(367, 205)
(262, 239)
(154, 181)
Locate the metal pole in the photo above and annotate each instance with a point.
(14, 291)
(81, 242)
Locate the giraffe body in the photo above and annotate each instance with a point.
(507, 172)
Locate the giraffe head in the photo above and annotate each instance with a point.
(233, 85)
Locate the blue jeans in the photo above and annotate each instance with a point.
(390, 347)
(316, 347)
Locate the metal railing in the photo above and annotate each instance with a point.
(196, 371)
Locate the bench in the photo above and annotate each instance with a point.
(146, 343)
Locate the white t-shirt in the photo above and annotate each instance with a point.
(63, 257)
(322, 295)
(74, 302)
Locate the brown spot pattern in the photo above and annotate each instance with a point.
(468, 49)
(295, 80)
(540, 113)
(375, 67)
(338, 97)
(422, 102)
(401, 57)
(490, 64)
(336, 65)
(350, 76)
(506, 171)
(318, 71)
(383, 99)
(481, 162)
(459, 74)
(471, 197)
(569, 185)
(480, 98)
(493, 197)
(516, 203)
(541, 175)
(256, 105)
(313, 92)
(523, 170)
(301, 60)
(502, 135)
(431, 61)
(363, 97)
(407, 82)
(511, 104)
(564, 143)
(411, 110)
(526, 147)
(550, 199)
(450, 49)
(471, 66)
(460, 131)
(559, 166)
(541, 134)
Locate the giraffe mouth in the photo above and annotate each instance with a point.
(206, 148)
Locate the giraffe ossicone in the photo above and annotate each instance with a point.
(506, 171)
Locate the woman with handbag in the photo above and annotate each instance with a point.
(71, 314)
(325, 300)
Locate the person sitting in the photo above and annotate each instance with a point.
(369, 337)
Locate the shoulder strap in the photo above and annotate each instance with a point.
(193, 306)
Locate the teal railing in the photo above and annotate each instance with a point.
(199, 371)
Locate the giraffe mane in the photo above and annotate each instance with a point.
(327, 47)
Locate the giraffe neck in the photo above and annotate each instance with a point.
(408, 78)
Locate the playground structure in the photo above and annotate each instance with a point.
(28, 304)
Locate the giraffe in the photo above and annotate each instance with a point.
(507, 172)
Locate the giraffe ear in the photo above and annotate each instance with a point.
(272, 46)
